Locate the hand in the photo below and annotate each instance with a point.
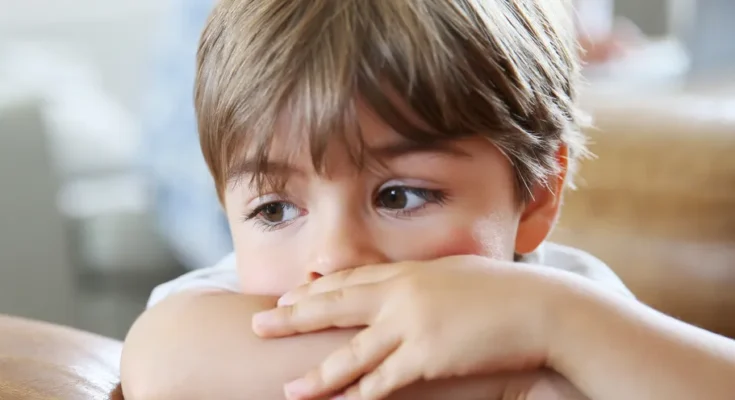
(456, 316)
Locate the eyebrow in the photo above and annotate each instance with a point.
(250, 167)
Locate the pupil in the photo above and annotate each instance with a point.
(394, 198)
(273, 212)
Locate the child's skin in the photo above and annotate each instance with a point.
(444, 220)
(417, 204)
(438, 314)
(462, 316)
(444, 202)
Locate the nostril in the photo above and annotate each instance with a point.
(314, 276)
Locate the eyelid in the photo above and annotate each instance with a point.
(402, 183)
(265, 199)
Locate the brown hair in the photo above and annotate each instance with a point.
(503, 69)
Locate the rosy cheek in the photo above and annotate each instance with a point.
(268, 277)
(458, 242)
(487, 238)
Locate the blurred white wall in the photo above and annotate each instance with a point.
(55, 113)
(115, 36)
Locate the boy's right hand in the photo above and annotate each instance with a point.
(452, 317)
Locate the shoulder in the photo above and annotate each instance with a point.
(578, 262)
(222, 276)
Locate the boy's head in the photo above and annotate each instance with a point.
(348, 132)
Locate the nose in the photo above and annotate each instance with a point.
(341, 245)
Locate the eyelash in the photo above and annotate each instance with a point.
(253, 216)
(268, 227)
(436, 197)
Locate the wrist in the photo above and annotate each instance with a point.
(585, 315)
(570, 305)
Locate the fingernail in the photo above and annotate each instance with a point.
(263, 319)
(298, 388)
(285, 300)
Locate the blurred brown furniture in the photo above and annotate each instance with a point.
(40, 361)
(658, 203)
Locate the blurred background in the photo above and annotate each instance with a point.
(103, 192)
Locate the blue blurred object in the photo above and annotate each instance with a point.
(187, 209)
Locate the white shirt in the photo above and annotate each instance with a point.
(223, 276)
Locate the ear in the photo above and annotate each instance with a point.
(540, 214)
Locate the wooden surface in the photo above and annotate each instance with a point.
(40, 361)
(658, 204)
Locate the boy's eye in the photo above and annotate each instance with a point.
(277, 212)
(405, 198)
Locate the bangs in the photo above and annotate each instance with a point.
(308, 122)
(422, 67)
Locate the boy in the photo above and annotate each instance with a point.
(347, 133)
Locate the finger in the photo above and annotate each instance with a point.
(552, 385)
(364, 352)
(398, 370)
(343, 308)
(345, 278)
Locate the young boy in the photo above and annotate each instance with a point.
(415, 135)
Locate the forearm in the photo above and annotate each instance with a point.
(614, 348)
(532, 385)
(195, 346)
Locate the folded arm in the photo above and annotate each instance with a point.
(614, 348)
(198, 345)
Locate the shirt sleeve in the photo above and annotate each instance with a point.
(578, 262)
(222, 276)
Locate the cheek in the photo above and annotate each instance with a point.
(496, 235)
(264, 268)
(491, 237)
(457, 242)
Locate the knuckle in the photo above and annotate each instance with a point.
(316, 376)
(325, 373)
(297, 295)
(405, 286)
(336, 296)
(433, 371)
(410, 290)
(371, 386)
(350, 275)
(310, 289)
(356, 349)
(294, 311)
(413, 283)
(319, 285)
(339, 294)
(302, 313)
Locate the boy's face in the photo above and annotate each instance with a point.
(418, 204)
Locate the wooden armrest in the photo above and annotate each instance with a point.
(44, 361)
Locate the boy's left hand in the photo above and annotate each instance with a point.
(456, 316)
